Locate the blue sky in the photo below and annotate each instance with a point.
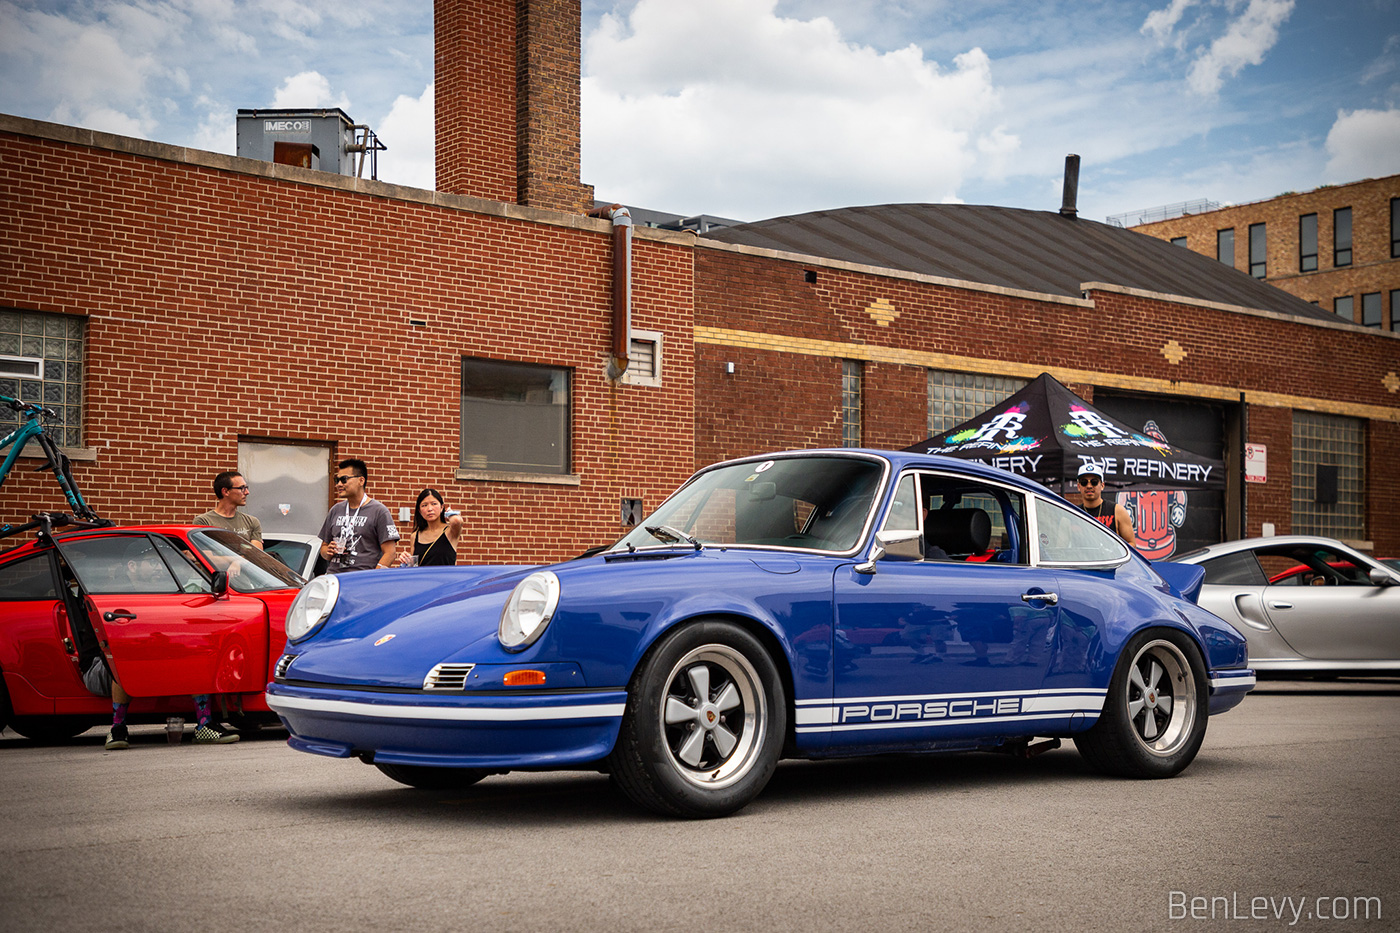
(757, 108)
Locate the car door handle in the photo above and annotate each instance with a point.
(116, 614)
(1279, 604)
(1050, 599)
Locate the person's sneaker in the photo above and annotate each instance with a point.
(117, 738)
(209, 734)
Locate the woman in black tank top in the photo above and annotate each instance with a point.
(436, 530)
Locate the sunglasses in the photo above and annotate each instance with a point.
(345, 479)
(1089, 481)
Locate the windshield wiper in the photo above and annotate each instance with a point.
(671, 535)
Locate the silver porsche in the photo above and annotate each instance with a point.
(1306, 604)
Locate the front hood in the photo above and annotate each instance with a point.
(391, 627)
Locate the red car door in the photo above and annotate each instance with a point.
(159, 623)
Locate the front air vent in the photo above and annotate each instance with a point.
(448, 677)
(283, 663)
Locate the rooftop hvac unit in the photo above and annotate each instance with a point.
(325, 140)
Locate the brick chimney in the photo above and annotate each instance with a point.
(507, 101)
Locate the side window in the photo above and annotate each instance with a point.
(31, 578)
(1240, 569)
(972, 522)
(1300, 566)
(1070, 538)
(114, 564)
(182, 565)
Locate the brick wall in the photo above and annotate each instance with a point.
(787, 336)
(1372, 269)
(225, 303)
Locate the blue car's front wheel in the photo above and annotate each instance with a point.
(704, 726)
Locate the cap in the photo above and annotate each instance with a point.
(1090, 469)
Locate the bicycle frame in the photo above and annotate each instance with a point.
(32, 429)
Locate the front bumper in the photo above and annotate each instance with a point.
(501, 731)
(1228, 688)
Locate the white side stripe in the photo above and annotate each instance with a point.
(444, 713)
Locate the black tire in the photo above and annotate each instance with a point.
(46, 729)
(1154, 717)
(705, 722)
(426, 778)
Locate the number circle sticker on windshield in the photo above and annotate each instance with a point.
(765, 465)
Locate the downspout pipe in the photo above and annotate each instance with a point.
(621, 288)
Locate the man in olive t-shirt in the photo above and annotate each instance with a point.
(232, 491)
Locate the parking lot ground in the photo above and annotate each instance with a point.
(1296, 794)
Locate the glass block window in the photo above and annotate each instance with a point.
(955, 397)
(1329, 476)
(1307, 243)
(852, 374)
(57, 339)
(1225, 246)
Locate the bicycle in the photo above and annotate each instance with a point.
(55, 459)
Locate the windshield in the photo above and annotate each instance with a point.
(249, 569)
(822, 503)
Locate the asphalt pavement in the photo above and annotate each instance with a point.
(1291, 806)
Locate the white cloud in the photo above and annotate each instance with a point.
(1363, 144)
(307, 89)
(1161, 23)
(1245, 42)
(408, 132)
(750, 114)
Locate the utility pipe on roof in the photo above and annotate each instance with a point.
(621, 287)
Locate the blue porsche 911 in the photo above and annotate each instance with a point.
(806, 604)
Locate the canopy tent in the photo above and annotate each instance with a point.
(1046, 432)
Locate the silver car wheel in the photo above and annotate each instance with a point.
(1161, 697)
(713, 716)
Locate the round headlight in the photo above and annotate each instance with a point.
(312, 606)
(529, 609)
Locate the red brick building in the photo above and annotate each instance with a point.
(1337, 247)
(194, 311)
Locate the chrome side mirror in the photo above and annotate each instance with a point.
(897, 545)
(1381, 578)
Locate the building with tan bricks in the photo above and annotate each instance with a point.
(195, 312)
(1337, 247)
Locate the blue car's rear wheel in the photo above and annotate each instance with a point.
(1154, 718)
(706, 716)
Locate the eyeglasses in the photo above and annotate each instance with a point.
(346, 479)
(243, 488)
(1089, 481)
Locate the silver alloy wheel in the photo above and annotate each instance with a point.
(713, 716)
(1161, 697)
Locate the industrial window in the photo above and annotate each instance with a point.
(1341, 236)
(1371, 309)
(1179, 241)
(1345, 308)
(1329, 476)
(1258, 252)
(1395, 310)
(515, 417)
(41, 360)
(852, 375)
(1307, 243)
(1395, 228)
(956, 397)
(644, 359)
(1225, 246)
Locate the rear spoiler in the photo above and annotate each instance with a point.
(1184, 579)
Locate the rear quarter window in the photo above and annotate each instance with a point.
(1240, 569)
(28, 579)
